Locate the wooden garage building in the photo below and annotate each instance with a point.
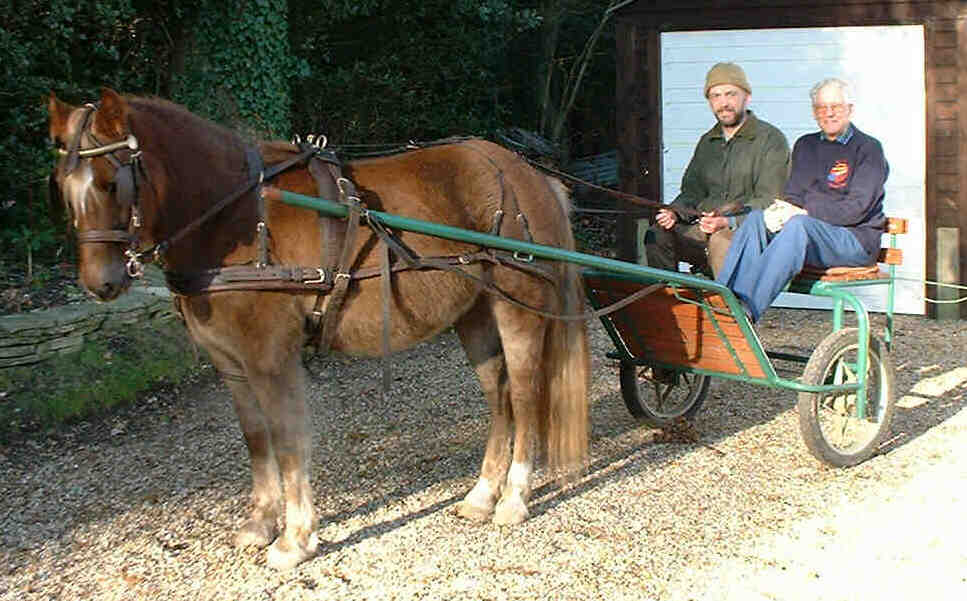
(639, 118)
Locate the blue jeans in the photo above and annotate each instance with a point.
(759, 263)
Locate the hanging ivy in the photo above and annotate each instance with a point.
(239, 66)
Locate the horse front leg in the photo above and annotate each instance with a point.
(261, 528)
(281, 397)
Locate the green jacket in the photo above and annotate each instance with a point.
(751, 168)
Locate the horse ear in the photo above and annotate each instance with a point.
(111, 116)
(59, 112)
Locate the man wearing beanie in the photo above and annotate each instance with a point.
(742, 159)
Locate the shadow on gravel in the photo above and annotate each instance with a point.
(918, 411)
(381, 528)
(369, 454)
(717, 421)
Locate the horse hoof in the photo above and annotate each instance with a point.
(255, 533)
(285, 555)
(510, 512)
(474, 513)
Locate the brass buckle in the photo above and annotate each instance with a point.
(321, 279)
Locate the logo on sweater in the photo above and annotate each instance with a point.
(838, 175)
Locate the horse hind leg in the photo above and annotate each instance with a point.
(522, 337)
(502, 343)
(478, 334)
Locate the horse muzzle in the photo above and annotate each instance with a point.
(106, 278)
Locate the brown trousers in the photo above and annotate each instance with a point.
(685, 242)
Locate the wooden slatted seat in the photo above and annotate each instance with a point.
(888, 256)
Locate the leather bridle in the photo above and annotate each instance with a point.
(85, 145)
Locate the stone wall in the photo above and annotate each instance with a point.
(27, 338)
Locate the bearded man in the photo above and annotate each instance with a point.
(741, 161)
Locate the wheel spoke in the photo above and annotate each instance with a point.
(661, 396)
(829, 421)
(844, 416)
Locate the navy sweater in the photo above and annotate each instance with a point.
(841, 184)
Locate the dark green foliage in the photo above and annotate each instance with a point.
(69, 47)
(406, 69)
(393, 71)
(238, 71)
(359, 71)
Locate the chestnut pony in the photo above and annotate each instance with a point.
(533, 369)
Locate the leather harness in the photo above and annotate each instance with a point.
(335, 273)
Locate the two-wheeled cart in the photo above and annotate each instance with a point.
(670, 344)
(688, 329)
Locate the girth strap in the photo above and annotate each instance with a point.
(331, 234)
(323, 324)
(387, 288)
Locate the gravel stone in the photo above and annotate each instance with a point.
(143, 503)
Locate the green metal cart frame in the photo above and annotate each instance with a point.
(849, 377)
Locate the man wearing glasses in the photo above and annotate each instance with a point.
(742, 160)
(831, 213)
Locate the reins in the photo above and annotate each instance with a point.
(253, 182)
(727, 210)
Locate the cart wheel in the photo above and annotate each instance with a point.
(830, 427)
(661, 404)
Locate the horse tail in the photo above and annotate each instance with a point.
(567, 366)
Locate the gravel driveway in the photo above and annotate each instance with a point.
(142, 504)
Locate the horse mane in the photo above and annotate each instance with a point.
(177, 118)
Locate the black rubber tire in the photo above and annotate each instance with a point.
(641, 397)
(829, 364)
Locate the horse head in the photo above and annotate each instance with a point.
(96, 180)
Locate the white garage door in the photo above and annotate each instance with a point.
(885, 67)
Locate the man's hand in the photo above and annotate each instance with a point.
(711, 223)
(666, 219)
(779, 212)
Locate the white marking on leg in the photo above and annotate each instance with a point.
(519, 478)
(512, 508)
(483, 494)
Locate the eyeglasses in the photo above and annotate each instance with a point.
(838, 108)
